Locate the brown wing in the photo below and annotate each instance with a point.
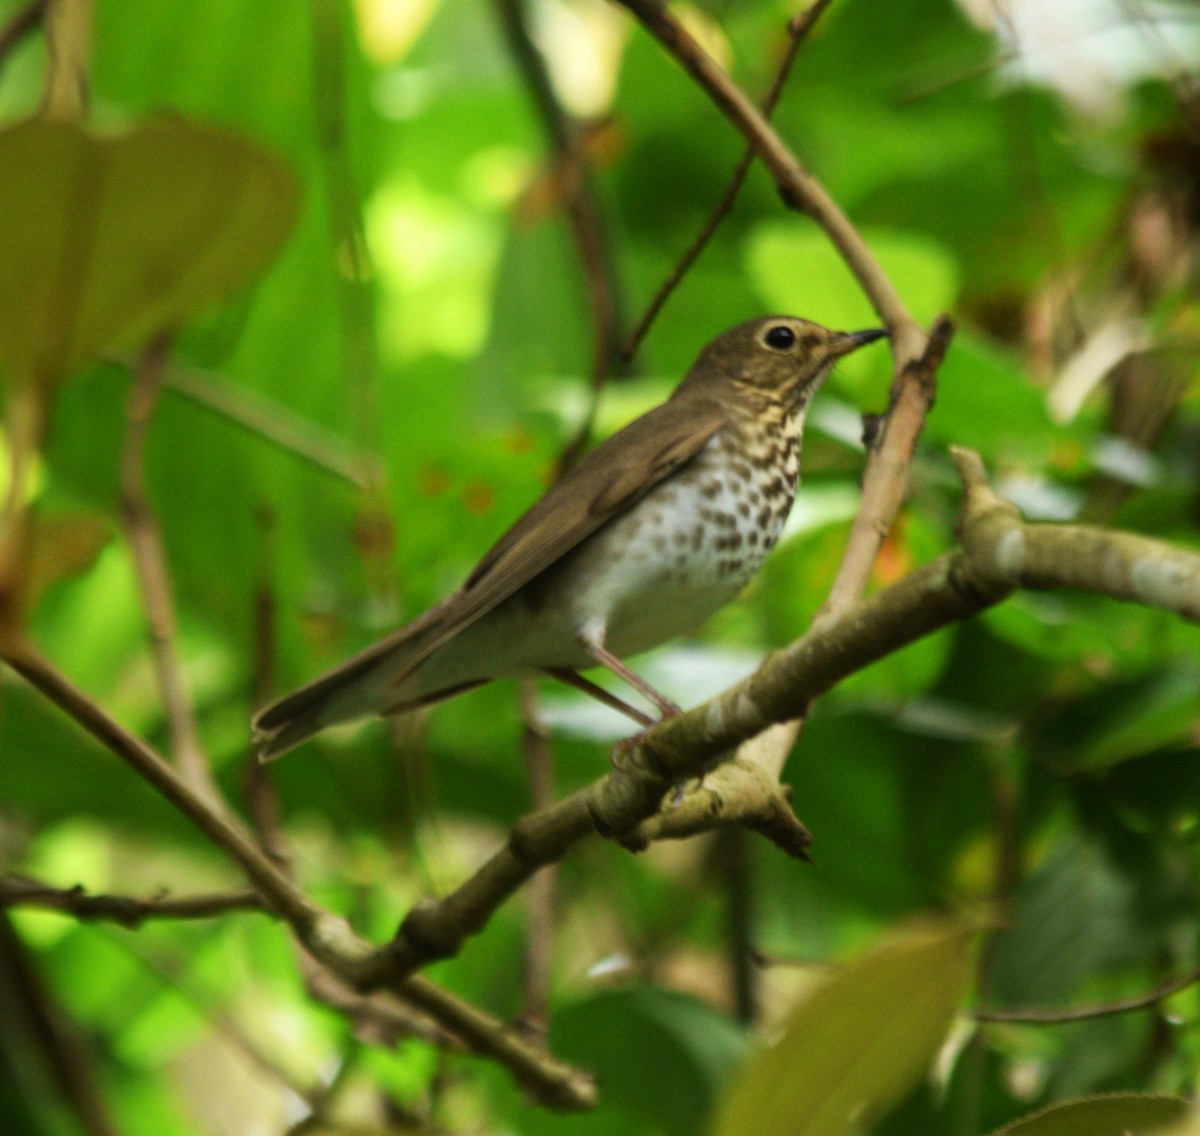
(606, 483)
(602, 486)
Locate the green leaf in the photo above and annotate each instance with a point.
(858, 1044)
(797, 269)
(1118, 1114)
(107, 239)
(660, 1056)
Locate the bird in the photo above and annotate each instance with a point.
(643, 539)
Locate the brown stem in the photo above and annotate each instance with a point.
(127, 910)
(149, 555)
(800, 189)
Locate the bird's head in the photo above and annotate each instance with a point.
(780, 357)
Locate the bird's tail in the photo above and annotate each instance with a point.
(368, 683)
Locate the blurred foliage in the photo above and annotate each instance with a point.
(424, 333)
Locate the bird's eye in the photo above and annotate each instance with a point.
(780, 338)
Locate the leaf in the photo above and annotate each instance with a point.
(797, 269)
(107, 239)
(1118, 1114)
(660, 1056)
(858, 1044)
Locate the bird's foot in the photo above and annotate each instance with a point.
(621, 752)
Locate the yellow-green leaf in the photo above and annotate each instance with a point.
(858, 1043)
(1115, 1114)
(107, 239)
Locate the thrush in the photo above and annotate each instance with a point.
(646, 537)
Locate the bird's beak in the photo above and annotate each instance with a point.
(847, 341)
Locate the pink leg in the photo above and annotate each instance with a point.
(666, 707)
(599, 693)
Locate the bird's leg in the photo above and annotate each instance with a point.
(563, 674)
(666, 707)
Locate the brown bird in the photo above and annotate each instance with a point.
(650, 534)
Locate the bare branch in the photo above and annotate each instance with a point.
(328, 937)
(127, 910)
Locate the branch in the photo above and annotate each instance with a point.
(1098, 1010)
(798, 28)
(999, 554)
(885, 481)
(144, 535)
(128, 911)
(326, 936)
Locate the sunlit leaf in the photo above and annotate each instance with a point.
(858, 1043)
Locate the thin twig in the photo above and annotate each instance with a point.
(583, 213)
(270, 420)
(885, 480)
(153, 575)
(1097, 1010)
(798, 29)
(127, 910)
(540, 898)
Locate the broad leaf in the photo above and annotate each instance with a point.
(107, 239)
(858, 1044)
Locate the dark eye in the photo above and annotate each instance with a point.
(780, 338)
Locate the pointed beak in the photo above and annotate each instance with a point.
(849, 341)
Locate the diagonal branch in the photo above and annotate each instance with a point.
(327, 937)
